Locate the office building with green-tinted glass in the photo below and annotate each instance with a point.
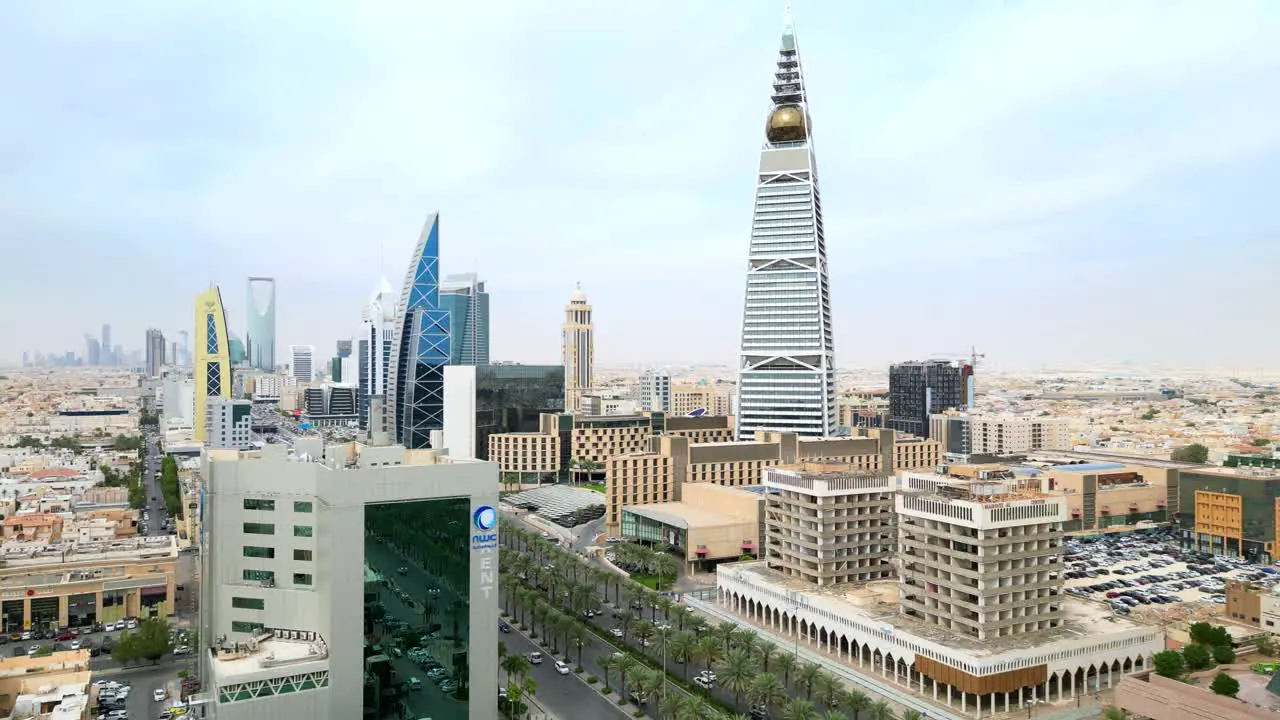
(335, 574)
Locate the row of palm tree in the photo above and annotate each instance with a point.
(649, 561)
(551, 590)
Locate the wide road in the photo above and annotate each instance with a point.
(430, 701)
(566, 696)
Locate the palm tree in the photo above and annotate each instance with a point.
(693, 707)
(828, 691)
(669, 706)
(706, 651)
(625, 665)
(765, 651)
(881, 711)
(915, 715)
(607, 663)
(579, 635)
(1111, 713)
(736, 671)
(785, 664)
(515, 666)
(680, 648)
(724, 633)
(834, 715)
(857, 703)
(806, 675)
(766, 689)
(799, 709)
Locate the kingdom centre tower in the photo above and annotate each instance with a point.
(786, 370)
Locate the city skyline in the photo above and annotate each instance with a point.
(970, 152)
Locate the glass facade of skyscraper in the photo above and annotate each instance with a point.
(421, 347)
(416, 609)
(509, 398)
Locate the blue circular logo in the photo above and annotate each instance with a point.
(485, 517)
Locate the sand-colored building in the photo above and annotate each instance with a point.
(580, 445)
(72, 584)
(54, 686)
(709, 523)
(658, 474)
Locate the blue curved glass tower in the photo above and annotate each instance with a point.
(421, 346)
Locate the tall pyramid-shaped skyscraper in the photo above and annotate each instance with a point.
(786, 370)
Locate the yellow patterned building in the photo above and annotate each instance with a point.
(212, 357)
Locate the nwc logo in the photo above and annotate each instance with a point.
(485, 519)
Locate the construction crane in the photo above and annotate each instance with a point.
(973, 355)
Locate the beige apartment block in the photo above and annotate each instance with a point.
(592, 441)
(981, 557)
(714, 399)
(829, 524)
(744, 462)
(863, 408)
(524, 457)
(979, 434)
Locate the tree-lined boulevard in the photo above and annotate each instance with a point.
(644, 649)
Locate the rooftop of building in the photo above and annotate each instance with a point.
(27, 554)
(876, 605)
(686, 515)
(263, 653)
(1061, 459)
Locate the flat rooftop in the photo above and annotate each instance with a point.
(262, 655)
(682, 515)
(58, 552)
(876, 604)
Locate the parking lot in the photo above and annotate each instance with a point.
(1136, 572)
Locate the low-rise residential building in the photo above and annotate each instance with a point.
(964, 433)
(68, 582)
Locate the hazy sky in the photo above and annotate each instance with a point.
(1050, 181)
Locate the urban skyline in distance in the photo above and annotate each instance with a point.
(983, 184)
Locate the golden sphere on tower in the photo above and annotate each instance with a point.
(787, 124)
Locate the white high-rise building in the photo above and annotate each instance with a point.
(786, 375)
(302, 359)
(374, 347)
(655, 390)
(578, 350)
(314, 540)
(230, 423)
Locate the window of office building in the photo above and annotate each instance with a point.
(301, 506)
(241, 626)
(256, 551)
(302, 579)
(252, 528)
(434, 536)
(244, 603)
(302, 531)
(258, 576)
(256, 504)
(303, 555)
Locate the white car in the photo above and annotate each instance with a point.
(562, 668)
(535, 658)
(159, 694)
(75, 644)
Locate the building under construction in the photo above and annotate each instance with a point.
(981, 556)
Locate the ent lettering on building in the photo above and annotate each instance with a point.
(488, 575)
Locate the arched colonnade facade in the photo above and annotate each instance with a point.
(975, 685)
